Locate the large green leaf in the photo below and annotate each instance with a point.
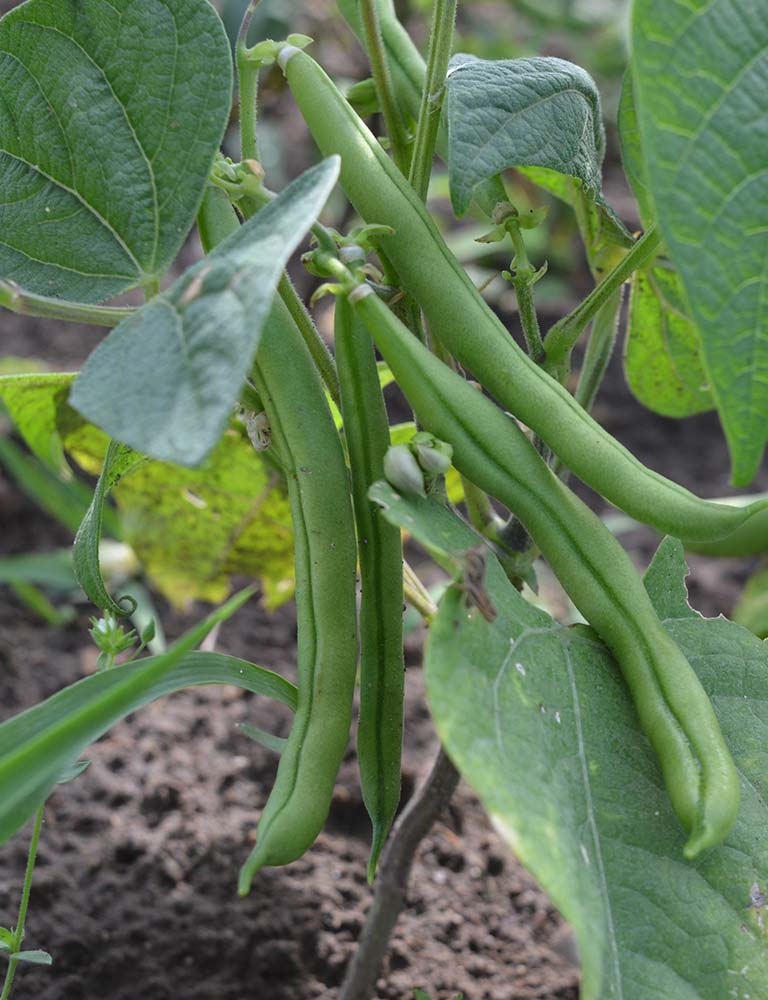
(538, 720)
(37, 745)
(111, 112)
(165, 380)
(540, 112)
(700, 74)
(663, 354)
(632, 151)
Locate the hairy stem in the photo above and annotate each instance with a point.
(377, 56)
(248, 83)
(599, 350)
(596, 358)
(524, 278)
(440, 40)
(397, 860)
(15, 298)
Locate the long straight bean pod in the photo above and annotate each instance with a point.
(462, 320)
(380, 554)
(491, 450)
(312, 459)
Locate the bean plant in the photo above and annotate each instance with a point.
(620, 754)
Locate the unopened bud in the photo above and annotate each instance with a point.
(432, 460)
(402, 470)
(434, 456)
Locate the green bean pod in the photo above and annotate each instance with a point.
(491, 450)
(380, 554)
(312, 459)
(465, 324)
(311, 455)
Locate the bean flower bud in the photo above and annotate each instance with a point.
(433, 456)
(402, 470)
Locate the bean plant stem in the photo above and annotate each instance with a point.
(561, 338)
(25, 303)
(440, 41)
(529, 320)
(599, 350)
(523, 280)
(248, 74)
(389, 897)
(248, 81)
(18, 934)
(416, 594)
(596, 358)
(377, 56)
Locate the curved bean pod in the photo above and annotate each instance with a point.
(380, 553)
(462, 320)
(490, 449)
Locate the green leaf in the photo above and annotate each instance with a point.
(119, 461)
(111, 113)
(38, 744)
(632, 151)
(33, 957)
(665, 581)
(7, 939)
(700, 80)
(72, 771)
(46, 569)
(541, 112)
(662, 360)
(165, 380)
(538, 719)
(444, 535)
